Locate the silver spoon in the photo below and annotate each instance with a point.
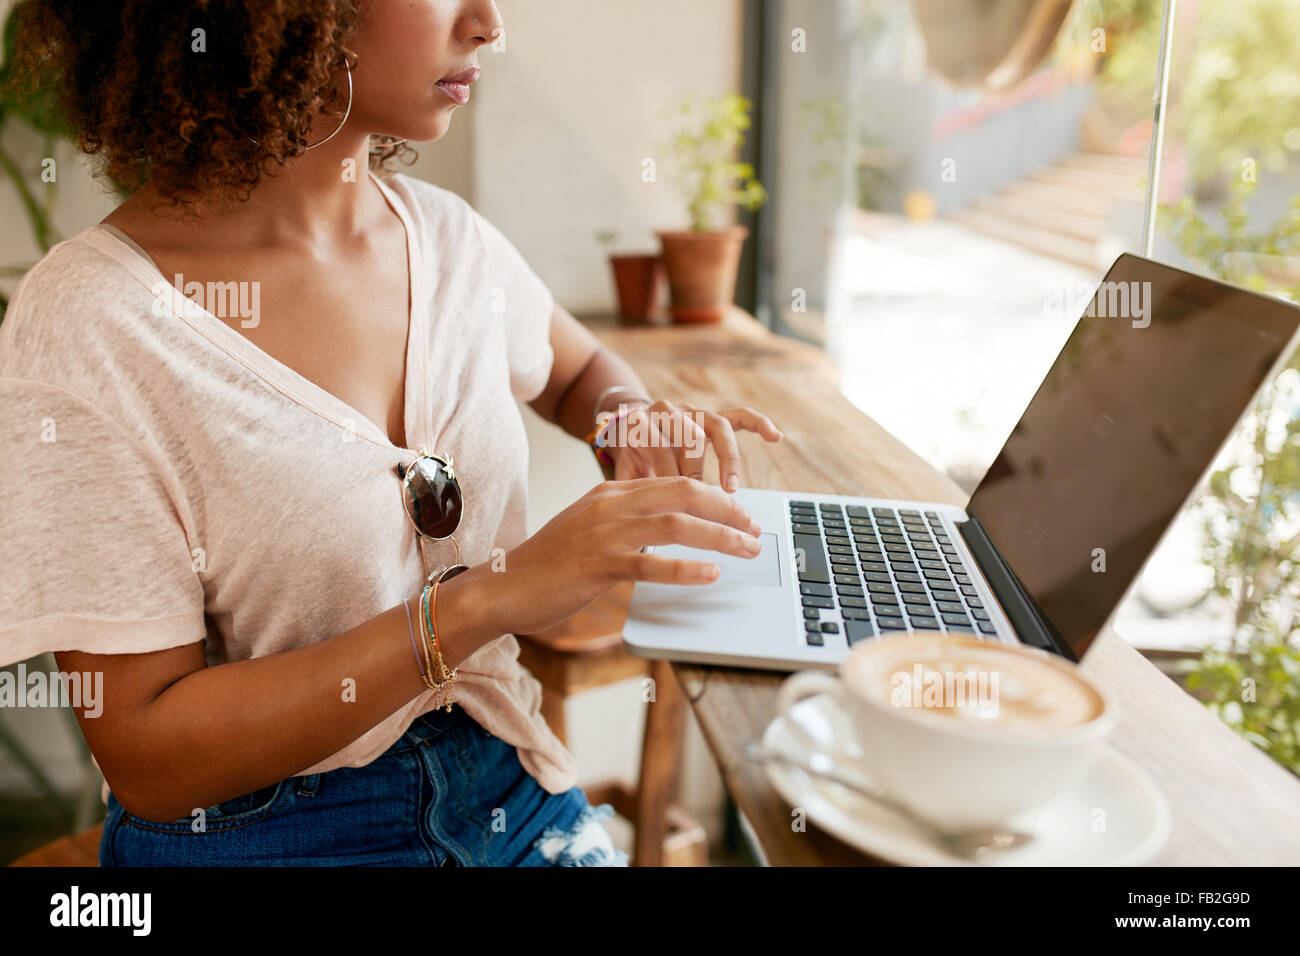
(968, 844)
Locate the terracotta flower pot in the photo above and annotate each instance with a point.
(639, 282)
(702, 269)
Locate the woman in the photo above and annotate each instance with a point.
(224, 503)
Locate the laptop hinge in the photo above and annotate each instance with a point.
(1016, 602)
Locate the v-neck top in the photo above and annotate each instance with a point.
(163, 480)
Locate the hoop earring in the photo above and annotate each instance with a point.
(346, 113)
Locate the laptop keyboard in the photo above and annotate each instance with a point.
(879, 570)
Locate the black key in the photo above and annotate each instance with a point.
(908, 513)
(830, 627)
(883, 597)
(941, 538)
(921, 599)
(848, 590)
(963, 579)
(857, 511)
(969, 591)
(815, 639)
(811, 613)
(980, 614)
(885, 512)
(925, 624)
(858, 631)
(880, 587)
(933, 515)
(891, 624)
(986, 627)
(957, 620)
(838, 539)
(943, 594)
(877, 576)
(835, 527)
(949, 607)
(802, 504)
(840, 549)
(856, 614)
(856, 522)
(908, 577)
(842, 568)
(932, 565)
(936, 576)
(889, 539)
(812, 587)
(975, 602)
(810, 600)
(876, 566)
(809, 529)
(908, 588)
(902, 567)
(847, 579)
(852, 602)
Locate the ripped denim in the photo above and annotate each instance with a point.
(447, 793)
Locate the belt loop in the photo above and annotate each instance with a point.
(308, 785)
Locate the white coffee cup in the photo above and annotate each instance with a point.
(958, 755)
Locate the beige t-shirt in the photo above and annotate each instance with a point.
(165, 481)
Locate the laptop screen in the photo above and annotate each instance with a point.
(1134, 409)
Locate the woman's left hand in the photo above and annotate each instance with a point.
(669, 438)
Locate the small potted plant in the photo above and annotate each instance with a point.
(638, 280)
(702, 261)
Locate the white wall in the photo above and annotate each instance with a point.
(569, 110)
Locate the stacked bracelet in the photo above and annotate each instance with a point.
(437, 675)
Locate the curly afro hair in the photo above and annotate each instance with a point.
(129, 81)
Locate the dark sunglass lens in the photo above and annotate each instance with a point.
(433, 500)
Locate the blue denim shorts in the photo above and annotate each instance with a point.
(447, 793)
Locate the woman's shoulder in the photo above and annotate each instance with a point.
(75, 311)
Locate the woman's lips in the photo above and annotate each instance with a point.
(458, 92)
(457, 87)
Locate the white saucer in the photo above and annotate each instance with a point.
(1114, 816)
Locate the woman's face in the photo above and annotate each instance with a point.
(415, 62)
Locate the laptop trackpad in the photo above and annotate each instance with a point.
(763, 569)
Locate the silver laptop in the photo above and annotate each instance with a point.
(1132, 414)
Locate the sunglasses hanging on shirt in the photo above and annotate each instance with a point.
(434, 503)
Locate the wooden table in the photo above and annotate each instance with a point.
(1231, 804)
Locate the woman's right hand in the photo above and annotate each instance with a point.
(596, 543)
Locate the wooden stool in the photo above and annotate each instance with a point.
(586, 652)
(79, 849)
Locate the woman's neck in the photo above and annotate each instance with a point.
(323, 194)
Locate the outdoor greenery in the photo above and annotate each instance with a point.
(1251, 513)
(1235, 80)
(705, 146)
(23, 110)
